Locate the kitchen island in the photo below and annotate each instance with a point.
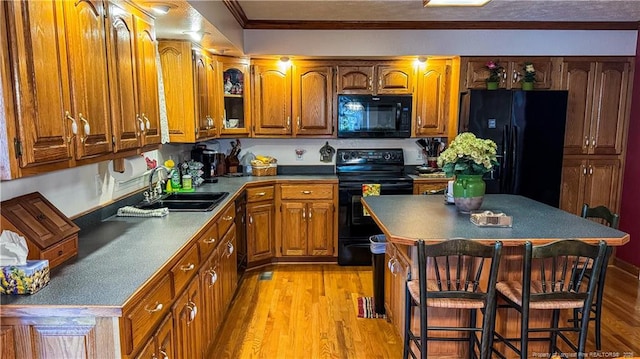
(404, 219)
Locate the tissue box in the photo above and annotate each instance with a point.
(25, 279)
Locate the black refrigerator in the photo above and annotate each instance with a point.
(528, 127)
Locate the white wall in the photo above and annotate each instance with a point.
(76, 190)
(441, 42)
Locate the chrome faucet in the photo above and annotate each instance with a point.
(155, 191)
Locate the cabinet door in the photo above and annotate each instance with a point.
(7, 342)
(313, 100)
(430, 188)
(122, 56)
(609, 107)
(577, 78)
(320, 222)
(202, 98)
(213, 91)
(476, 72)
(294, 229)
(394, 79)
(355, 79)
(42, 94)
(432, 99)
(210, 283)
(399, 273)
(272, 100)
(260, 231)
(573, 182)
(544, 70)
(177, 75)
(230, 274)
(234, 105)
(88, 70)
(602, 183)
(188, 322)
(148, 81)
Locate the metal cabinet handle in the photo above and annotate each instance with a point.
(188, 267)
(231, 248)
(227, 218)
(193, 311)
(146, 121)
(307, 192)
(214, 277)
(288, 122)
(419, 121)
(593, 142)
(586, 141)
(163, 353)
(310, 214)
(261, 193)
(250, 219)
(370, 83)
(86, 127)
(590, 170)
(515, 76)
(584, 170)
(210, 240)
(299, 123)
(157, 307)
(304, 214)
(140, 125)
(74, 125)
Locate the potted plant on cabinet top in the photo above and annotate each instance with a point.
(468, 158)
(494, 74)
(529, 76)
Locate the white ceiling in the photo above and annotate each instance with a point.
(184, 17)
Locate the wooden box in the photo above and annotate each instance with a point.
(49, 233)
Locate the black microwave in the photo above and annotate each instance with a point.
(363, 116)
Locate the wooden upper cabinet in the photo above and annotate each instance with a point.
(204, 121)
(125, 118)
(598, 105)
(233, 93)
(355, 79)
(178, 66)
(432, 98)
(393, 78)
(475, 72)
(44, 133)
(86, 36)
(272, 99)
(312, 100)
(148, 81)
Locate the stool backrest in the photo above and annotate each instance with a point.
(454, 268)
(601, 212)
(557, 271)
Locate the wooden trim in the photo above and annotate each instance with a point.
(428, 25)
(237, 12)
(627, 267)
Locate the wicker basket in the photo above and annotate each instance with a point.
(270, 170)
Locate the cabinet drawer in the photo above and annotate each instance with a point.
(431, 188)
(185, 269)
(305, 191)
(208, 241)
(226, 219)
(149, 310)
(61, 251)
(260, 194)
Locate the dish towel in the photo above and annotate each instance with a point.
(130, 211)
(369, 189)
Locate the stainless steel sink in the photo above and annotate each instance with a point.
(186, 202)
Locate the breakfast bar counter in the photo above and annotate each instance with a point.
(407, 218)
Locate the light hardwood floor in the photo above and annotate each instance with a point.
(310, 311)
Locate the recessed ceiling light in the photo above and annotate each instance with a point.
(454, 2)
(160, 8)
(196, 35)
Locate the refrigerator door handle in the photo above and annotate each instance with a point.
(505, 159)
(514, 154)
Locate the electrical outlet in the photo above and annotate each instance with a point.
(98, 184)
(419, 155)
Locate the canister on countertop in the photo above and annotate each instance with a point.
(186, 182)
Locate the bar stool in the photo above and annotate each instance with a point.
(557, 281)
(457, 265)
(612, 220)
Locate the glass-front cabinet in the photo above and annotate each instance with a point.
(234, 106)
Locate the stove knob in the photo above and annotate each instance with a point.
(388, 156)
(354, 155)
(344, 156)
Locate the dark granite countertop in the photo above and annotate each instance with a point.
(406, 218)
(120, 254)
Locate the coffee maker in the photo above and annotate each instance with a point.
(213, 162)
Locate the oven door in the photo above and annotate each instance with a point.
(354, 226)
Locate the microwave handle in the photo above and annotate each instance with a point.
(398, 115)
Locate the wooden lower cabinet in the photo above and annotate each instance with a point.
(211, 288)
(187, 312)
(395, 276)
(7, 342)
(162, 344)
(260, 230)
(592, 181)
(228, 266)
(307, 228)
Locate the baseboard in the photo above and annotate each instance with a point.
(627, 267)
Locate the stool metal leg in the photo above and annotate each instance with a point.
(407, 324)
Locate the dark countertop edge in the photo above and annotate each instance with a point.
(234, 185)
